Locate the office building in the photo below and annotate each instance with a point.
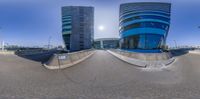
(77, 27)
(144, 26)
(106, 43)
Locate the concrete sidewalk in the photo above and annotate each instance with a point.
(7, 52)
(102, 76)
(143, 63)
(195, 52)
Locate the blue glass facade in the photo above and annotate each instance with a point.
(66, 29)
(144, 25)
(106, 43)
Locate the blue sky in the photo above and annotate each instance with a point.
(32, 22)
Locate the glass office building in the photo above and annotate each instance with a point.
(144, 26)
(78, 27)
(106, 43)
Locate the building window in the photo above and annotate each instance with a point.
(145, 17)
(66, 39)
(143, 41)
(159, 13)
(145, 25)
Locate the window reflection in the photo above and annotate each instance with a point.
(143, 41)
(145, 17)
(144, 25)
(67, 40)
(125, 15)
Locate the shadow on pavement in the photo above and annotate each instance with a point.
(179, 52)
(39, 57)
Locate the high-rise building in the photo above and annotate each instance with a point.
(77, 27)
(144, 26)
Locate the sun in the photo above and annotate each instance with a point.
(101, 27)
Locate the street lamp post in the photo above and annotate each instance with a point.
(2, 45)
(2, 42)
(175, 44)
(49, 41)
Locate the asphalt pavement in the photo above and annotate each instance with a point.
(102, 76)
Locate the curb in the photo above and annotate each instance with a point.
(7, 53)
(68, 65)
(142, 63)
(195, 52)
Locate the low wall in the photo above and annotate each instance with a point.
(146, 60)
(61, 61)
(7, 52)
(145, 56)
(195, 52)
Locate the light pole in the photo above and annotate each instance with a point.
(175, 44)
(2, 42)
(49, 41)
(2, 45)
(198, 46)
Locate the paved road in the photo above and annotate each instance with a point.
(102, 76)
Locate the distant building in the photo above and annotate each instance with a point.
(77, 27)
(106, 43)
(144, 26)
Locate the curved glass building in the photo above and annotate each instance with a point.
(144, 26)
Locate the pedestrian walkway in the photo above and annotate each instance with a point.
(102, 76)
